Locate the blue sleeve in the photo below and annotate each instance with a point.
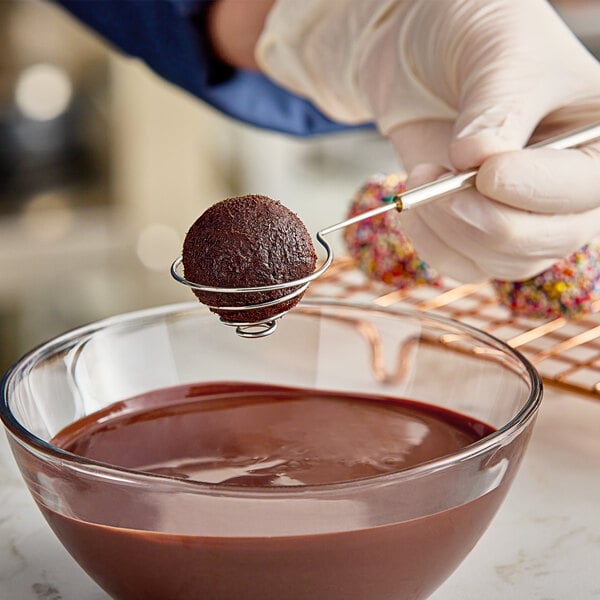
(168, 36)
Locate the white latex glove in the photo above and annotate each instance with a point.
(457, 84)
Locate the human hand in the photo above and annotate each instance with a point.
(530, 209)
(457, 84)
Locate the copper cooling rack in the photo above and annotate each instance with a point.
(565, 352)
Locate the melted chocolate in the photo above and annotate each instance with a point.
(268, 436)
(257, 436)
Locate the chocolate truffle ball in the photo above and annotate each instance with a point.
(247, 241)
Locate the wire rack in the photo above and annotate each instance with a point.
(565, 352)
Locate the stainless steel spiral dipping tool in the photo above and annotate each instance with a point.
(402, 202)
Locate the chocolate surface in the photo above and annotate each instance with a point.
(247, 241)
(266, 435)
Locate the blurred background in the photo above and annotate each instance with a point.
(103, 167)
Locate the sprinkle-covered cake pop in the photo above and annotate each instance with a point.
(378, 245)
(570, 288)
(567, 289)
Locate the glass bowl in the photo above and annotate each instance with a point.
(394, 535)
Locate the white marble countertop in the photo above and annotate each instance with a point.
(544, 543)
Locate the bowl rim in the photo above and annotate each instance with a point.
(39, 446)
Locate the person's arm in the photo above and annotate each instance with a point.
(172, 38)
(233, 28)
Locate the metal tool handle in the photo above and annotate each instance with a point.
(454, 183)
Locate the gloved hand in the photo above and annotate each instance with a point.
(457, 84)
